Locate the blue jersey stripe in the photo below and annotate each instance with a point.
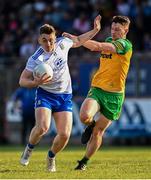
(38, 53)
(59, 38)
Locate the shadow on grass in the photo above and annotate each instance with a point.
(16, 170)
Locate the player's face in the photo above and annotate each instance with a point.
(47, 41)
(118, 30)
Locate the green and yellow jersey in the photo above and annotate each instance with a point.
(113, 69)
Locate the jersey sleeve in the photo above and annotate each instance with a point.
(67, 42)
(34, 59)
(31, 64)
(122, 46)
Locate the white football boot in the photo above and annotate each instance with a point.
(51, 165)
(25, 156)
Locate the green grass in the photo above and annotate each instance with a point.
(109, 162)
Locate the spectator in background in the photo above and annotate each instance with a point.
(24, 15)
(27, 98)
(147, 42)
(13, 23)
(81, 24)
(39, 5)
(27, 48)
(146, 8)
(66, 22)
(123, 7)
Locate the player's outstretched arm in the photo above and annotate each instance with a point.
(91, 44)
(81, 39)
(100, 46)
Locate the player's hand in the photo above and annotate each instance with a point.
(68, 35)
(97, 23)
(42, 80)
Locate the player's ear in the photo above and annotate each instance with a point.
(126, 30)
(39, 40)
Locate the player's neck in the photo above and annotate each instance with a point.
(114, 39)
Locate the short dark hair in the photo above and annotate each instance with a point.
(124, 20)
(46, 29)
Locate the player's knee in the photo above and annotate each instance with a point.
(64, 136)
(85, 117)
(42, 130)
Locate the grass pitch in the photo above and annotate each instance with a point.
(107, 163)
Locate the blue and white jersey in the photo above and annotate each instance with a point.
(58, 60)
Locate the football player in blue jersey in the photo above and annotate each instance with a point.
(53, 97)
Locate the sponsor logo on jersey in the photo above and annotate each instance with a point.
(61, 46)
(107, 56)
(39, 102)
(54, 53)
(59, 64)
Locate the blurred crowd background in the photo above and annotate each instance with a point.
(20, 20)
(19, 24)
